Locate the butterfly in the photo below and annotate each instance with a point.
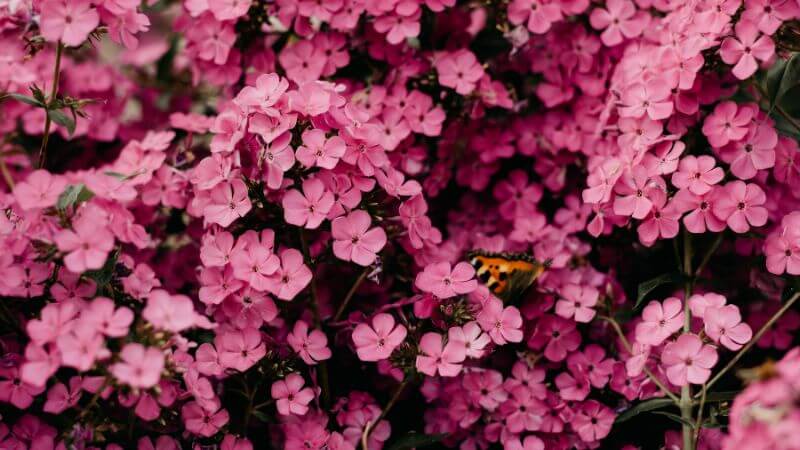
(507, 275)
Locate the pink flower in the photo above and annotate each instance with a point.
(618, 21)
(81, 347)
(103, 316)
(697, 174)
(459, 70)
(530, 442)
(139, 366)
(255, 264)
(472, 337)
(688, 360)
(87, 244)
(745, 48)
(577, 301)
(436, 357)
(173, 313)
(633, 189)
(354, 240)
(311, 207)
(292, 277)
(558, 337)
(312, 347)
(291, 398)
(240, 349)
(203, 422)
(39, 190)
(755, 152)
(728, 122)
(593, 421)
(16, 391)
(699, 303)
(724, 324)
(228, 202)
(441, 281)
(61, 397)
(268, 90)
(378, 341)
(782, 247)
(651, 98)
(229, 9)
(659, 321)
(503, 325)
(740, 206)
(538, 14)
(302, 61)
(68, 21)
(317, 150)
(278, 157)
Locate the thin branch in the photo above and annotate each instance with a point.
(629, 349)
(50, 100)
(350, 294)
(370, 424)
(755, 339)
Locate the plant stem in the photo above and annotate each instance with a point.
(384, 412)
(323, 367)
(686, 391)
(350, 294)
(6, 174)
(755, 339)
(647, 371)
(50, 100)
(714, 246)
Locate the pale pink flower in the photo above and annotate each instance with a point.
(311, 207)
(139, 366)
(39, 190)
(659, 321)
(291, 398)
(724, 324)
(688, 360)
(501, 324)
(312, 347)
(68, 21)
(436, 357)
(442, 281)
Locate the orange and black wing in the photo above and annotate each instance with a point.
(507, 275)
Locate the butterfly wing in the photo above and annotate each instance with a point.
(506, 275)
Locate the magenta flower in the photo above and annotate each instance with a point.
(538, 15)
(744, 49)
(312, 347)
(228, 202)
(254, 264)
(459, 70)
(724, 325)
(291, 398)
(729, 122)
(697, 174)
(576, 302)
(441, 281)
(503, 325)
(311, 207)
(278, 157)
(240, 349)
(688, 360)
(634, 191)
(68, 21)
(173, 313)
(755, 152)
(618, 21)
(354, 240)
(377, 342)
(782, 247)
(651, 98)
(202, 422)
(139, 366)
(740, 205)
(317, 150)
(593, 421)
(659, 321)
(437, 357)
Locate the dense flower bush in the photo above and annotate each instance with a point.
(244, 224)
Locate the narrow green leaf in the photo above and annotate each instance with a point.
(62, 119)
(675, 417)
(416, 440)
(26, 99)
(647, 405)
(648, 286)
(260, 415)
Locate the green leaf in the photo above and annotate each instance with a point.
(647, 405)
(416, 440)
(62, 119)
(648, 286)
(260, 415)
(26, 99)
(784, 75)
(73, 195)
(675, 417)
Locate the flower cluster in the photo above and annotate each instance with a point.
(311, 224)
